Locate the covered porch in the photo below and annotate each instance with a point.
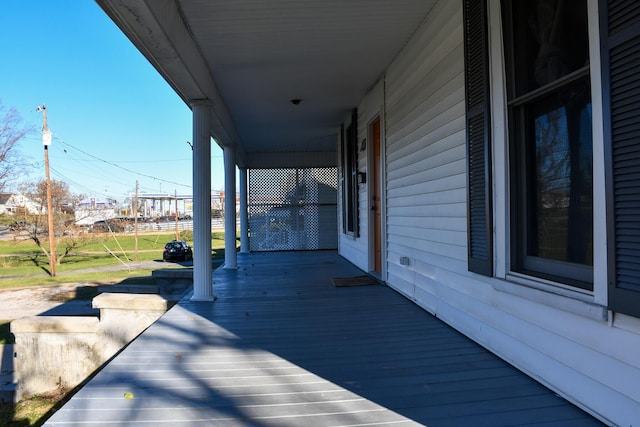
(282, 345)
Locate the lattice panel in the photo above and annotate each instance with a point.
(293, 209)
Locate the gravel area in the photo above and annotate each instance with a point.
(51, 300)
(42, 301)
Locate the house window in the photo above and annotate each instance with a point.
(549, 101)
(349, 177)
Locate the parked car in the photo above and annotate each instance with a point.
(18, 225)
(177, 250)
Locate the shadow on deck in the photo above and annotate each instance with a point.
(282, 346)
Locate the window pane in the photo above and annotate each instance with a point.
(553, 40)
(559, 176)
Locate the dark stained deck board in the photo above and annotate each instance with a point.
(282, 346)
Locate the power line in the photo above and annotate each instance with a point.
(67, 179)
(152, 161)
(95, 170)
(121, 167)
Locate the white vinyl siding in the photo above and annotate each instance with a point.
(561, 338)
(363, 196)
(425, 153)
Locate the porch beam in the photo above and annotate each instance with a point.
(291, 159)
(202, 279)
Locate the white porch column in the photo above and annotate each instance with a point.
(202, 279)
(230, 255)
(244, 211)
(311, 210)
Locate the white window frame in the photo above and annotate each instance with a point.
(500, 168)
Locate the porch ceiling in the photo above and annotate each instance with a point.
(250, 58)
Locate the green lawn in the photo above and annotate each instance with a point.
(97, 242)
(25, 258)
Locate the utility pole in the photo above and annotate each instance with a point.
(135, 221)
(46, 141)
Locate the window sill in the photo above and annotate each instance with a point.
(556, 295)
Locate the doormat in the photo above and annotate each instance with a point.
(354, 281)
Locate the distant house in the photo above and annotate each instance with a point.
(12, 204)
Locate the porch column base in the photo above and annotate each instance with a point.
(200, 298)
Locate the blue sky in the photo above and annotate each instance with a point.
(113, 117)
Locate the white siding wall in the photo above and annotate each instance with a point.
(425, 154)
(562, 340)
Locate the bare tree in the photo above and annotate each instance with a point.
(34, 226)
(12, 130)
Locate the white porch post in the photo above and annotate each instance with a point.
(244, 219)
(311, 210)
(230, 255)
(202, 279)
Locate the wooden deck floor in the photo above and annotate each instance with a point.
(282, 346)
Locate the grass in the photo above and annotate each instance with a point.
(115, 242)
(30, 412)
(22, 265)
(24, 259)
(98, 278)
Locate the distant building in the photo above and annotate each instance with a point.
(15, 204)
(88, 215)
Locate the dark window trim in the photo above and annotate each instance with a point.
(349, 138)
(620, 30)
(478, 136)
(341, 171)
